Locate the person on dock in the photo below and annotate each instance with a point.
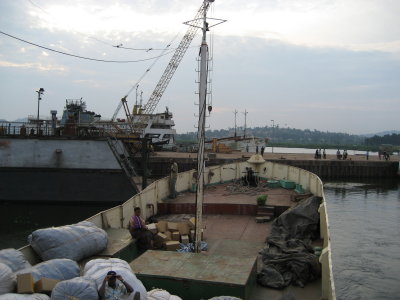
(344, 154)
(139, 231)
(262, 150)
(338, 154)
(316, 156)
(247, 148)
(257, 149)
(172, 179)
(324, 154)
(367, 155)
(114, 287)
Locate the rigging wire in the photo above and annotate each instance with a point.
(120, 46)
(84, 57)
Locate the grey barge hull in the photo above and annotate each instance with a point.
(61, 170)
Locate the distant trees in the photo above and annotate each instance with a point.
(284, 135)
(392, 139)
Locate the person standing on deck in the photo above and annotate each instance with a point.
(257, 149)
(324, 154)
(172, 179)
(139, 231)
(262, 150)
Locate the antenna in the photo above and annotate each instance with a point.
(245, 118)
(235, 112)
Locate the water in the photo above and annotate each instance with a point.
(365, 233)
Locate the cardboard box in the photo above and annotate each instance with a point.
(175, 235)
(172, 226)
(192, 222)
(160, 239)
(45, 285)
(172, 245)
(162, 226)
(25, 284)
(169, 236)
(152, 228)
(185, 239)
(183, 228)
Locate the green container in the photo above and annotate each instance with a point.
(299, 189)
(287, 184)
(273, 184)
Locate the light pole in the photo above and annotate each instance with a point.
(273, 125)
(40, 93)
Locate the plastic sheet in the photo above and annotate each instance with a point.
(225, 298)
(60, 269)
(97, 269)
(289, 257)
(7, 279)
(14, 259)
(24, 297)
(79, 287)
(75, 242)
(190, 247)
(159, 294)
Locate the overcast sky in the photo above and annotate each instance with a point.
(331, 65)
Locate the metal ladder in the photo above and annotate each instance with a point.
(122, 157)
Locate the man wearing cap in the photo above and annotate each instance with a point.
(114, 287)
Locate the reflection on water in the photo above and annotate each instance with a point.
(365, 232)
(17, 221)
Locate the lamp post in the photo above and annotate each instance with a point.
(273, 125)
(40, 93)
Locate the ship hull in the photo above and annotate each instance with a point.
(61, 170)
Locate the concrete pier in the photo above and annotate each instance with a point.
(354, 166)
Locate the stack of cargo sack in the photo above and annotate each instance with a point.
(76, 241)
(97, 269)
(12, 262)
(159, 294)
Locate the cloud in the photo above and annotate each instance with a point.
(36, 66)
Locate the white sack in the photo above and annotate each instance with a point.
(159, 294)
(60, 269)
(79, 287)
(14, 259)
(7, 279)
(97, 269)
(76, 241)
(24, 297)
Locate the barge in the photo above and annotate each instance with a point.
(230, 229)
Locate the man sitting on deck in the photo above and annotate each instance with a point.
(111, 289)
(139, 231)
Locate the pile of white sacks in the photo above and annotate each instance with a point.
(61, 248)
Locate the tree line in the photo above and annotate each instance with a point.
(293, 136)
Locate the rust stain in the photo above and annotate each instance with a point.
(4, 144)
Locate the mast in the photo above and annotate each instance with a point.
(201, 132)
(245, 119)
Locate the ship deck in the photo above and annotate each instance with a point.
(234, 241)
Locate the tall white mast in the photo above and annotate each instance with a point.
(201, 132)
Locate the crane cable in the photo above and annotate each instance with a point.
(84, 57)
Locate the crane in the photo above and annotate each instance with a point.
(139, 124)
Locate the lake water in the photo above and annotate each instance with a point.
(365, 234)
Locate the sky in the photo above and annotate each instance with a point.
(330, 65)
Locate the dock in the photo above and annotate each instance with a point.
(355, 166)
